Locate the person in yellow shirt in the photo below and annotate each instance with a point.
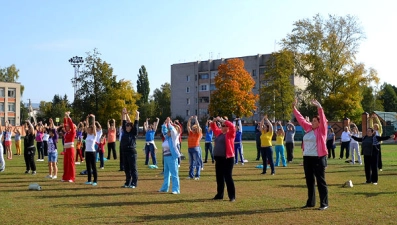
(280, 146)
(266, 129)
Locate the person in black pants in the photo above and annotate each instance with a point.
(128, 149)
(371, 154)
(29, 148)
(257, 140)
(224, 157)
(314, 155)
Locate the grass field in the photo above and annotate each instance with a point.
(260, 199)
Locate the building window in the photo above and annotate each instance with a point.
(188, 101)
(261, 71)
(11, 92)
(11, 107)
(187, 78)
(196, 112)
(195, 77)
(204, 99)
(204, 87)
(12, 121)
(195, 100)
(187, 89)
(213, 74)
(212, 87)
(204, 76)
(187, 112)
(203, 112)
(2, 107)
(2, 92)
(254, 73)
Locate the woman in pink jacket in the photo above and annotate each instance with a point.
(314, 155)
(224, 157)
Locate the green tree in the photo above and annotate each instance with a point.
(10, 74)
(370, 102)
(325, 51)
(54, 109)
(277, 92)
(100, 93)
(143, 86)
(162, 100)
(233, 94)
(389, 98)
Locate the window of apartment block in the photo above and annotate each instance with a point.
(187, 112)
(203, 76)
(213, 74)
(204, 99)
(195, 100)
(11, 92)
(195, 77)
(1, 106)
(254, 73)
(187, 89)
(11, 120)
(195, 112)
(187, 78)
(3, 120)
(11, 107)
(204, 87)
(188, 101)
(261, 71)
(212, 87)
(2, 92)
(203, 112)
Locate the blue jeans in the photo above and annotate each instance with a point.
(267, 156)
(194, 161)
(280, 153)
(52, 156)
(149, 148)
(238, 151)
(170, 171)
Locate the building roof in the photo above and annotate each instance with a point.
(387, 116)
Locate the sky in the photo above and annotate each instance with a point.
(40, 36)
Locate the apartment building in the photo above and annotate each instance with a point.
(193, 82)
(10, 100)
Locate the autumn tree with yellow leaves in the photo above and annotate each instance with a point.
(233, 94)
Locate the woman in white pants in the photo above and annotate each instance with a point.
(354, 146)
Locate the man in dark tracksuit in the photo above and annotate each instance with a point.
(128, 149)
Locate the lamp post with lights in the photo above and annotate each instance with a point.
(76, 62)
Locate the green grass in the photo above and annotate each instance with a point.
(260, 199)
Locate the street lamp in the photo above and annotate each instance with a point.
(76, 62)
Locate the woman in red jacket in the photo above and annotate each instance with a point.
(69, 171)
(224, 157)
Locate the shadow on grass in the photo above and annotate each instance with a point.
(206, 215)
(373, 194)
(133, 203)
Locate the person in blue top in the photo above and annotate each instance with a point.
(208, 141)
(238, 145)
(150, 146)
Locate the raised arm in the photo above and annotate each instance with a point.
(30, 127)
(157, 123)
(262, 123)
(198, 124)
(146, 124)
(282, 128)
(189, 129)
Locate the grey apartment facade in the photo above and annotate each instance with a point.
(193, 82)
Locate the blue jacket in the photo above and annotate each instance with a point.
(173, 139)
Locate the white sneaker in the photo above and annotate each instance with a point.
(375, 183)
(174, 192)
(54, 177)
(197, 178)
(380, 170)
(49, 176)
(77, 163)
